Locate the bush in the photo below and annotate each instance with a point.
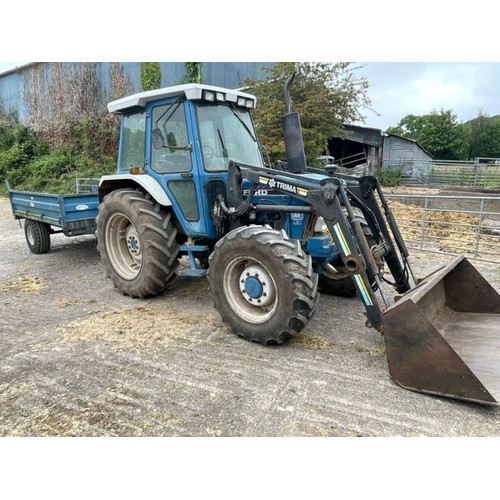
(30, 164)
(96, 137)
(18, 148)
(150, 75)
(390, 178)
(57, 172)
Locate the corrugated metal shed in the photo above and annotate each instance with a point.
(222, 74)
(405, 155)
(11, 90)
(382, 150)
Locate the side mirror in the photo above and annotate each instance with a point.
(157, 139)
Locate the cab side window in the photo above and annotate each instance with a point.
(133, 138)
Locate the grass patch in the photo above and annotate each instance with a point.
(24, 283)
(375, 351)
(311, 341)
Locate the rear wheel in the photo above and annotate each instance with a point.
(336, 280)
(37, 236)
(263, 284)
(137, 242)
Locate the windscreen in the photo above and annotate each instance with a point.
(227, 133)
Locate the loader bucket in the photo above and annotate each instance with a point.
(443, 336)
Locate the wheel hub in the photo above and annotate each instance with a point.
(257, 286)
(30, 235)
(133, 243)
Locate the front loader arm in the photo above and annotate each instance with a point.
(366, 193)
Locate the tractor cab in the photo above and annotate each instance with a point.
(177, 144)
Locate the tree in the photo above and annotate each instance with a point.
(56, 95)
(325, 94)
(193, 72)
(483, 136)
(438, 133)
(150, 75)
(120, 84)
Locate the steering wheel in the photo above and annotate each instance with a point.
(208, 152)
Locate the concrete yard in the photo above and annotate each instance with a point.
(80, 359)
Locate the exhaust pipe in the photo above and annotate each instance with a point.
(292, 134)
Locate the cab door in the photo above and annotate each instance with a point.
(173, 163)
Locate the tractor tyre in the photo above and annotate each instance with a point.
(262, 283)
(336, 281)
(137, 242)
(37, 236)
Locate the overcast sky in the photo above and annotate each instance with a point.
(398, 89)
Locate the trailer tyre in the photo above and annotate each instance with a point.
(137, 242)
(37, 236)
(263, 284)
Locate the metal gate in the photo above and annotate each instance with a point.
(453, 225)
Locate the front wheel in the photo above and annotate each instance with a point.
(137, 242)
(263, 284)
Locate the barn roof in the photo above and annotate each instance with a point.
(373, 136)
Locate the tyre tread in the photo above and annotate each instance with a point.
(287, 255)
(160, 261)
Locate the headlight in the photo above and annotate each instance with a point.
(209, 96)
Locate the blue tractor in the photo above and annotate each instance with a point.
(191, 182)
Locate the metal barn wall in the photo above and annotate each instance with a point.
(11, 91)
(405, 154)
(223, 74)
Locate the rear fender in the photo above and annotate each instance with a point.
(109, 183)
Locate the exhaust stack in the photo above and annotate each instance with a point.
(292, 134)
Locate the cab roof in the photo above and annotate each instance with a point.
(191, 91)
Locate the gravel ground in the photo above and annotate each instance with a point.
(80, 359)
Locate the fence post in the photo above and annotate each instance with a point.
(424, 221)
(475, 172)
(478, 230)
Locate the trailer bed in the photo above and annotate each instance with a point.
(75, 214)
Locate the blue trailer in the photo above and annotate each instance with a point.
(46, 214)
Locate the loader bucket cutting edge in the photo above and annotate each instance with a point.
(443, 336)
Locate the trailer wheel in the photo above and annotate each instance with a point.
(137, 242)
(263, 284)
(37, 236)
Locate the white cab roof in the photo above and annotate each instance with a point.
(190, 91)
